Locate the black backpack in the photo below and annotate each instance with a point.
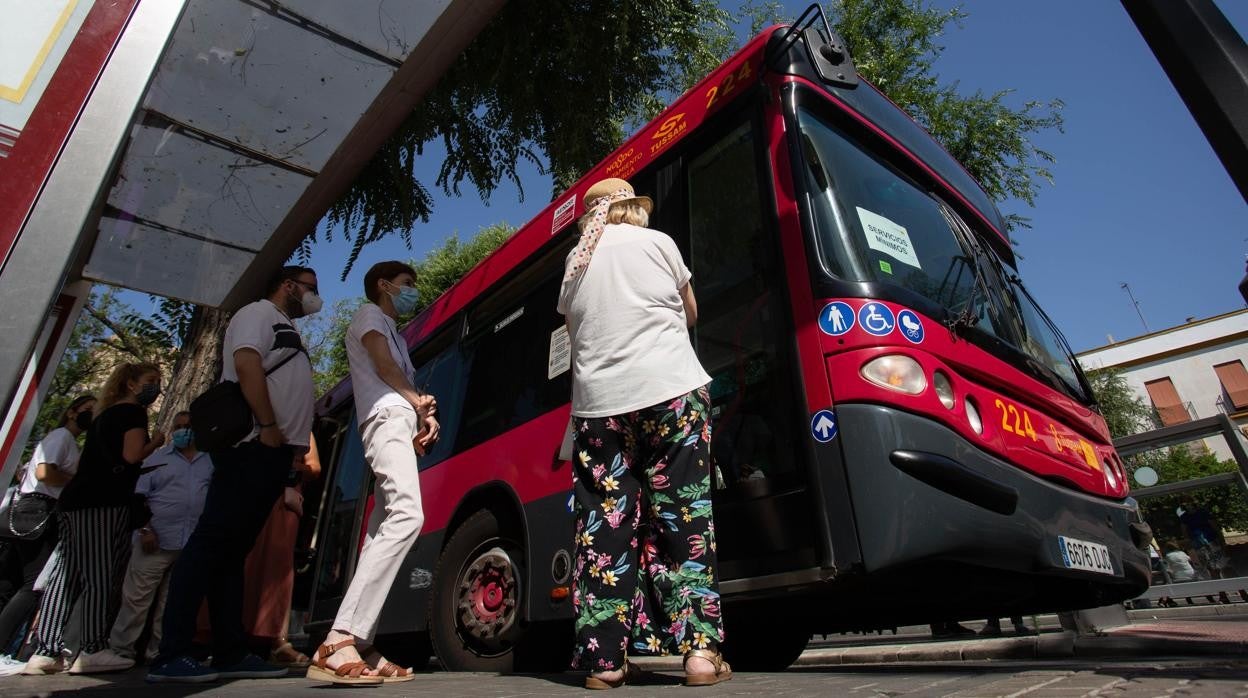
(221, 416)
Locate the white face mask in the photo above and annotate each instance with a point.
(311, 302)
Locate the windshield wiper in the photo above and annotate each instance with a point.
(968, 316)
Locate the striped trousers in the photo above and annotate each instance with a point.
(95, 544)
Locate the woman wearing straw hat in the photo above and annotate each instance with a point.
(645, 538)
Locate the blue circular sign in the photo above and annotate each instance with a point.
(823, 426)
(836, 318)
(876, 319)
(911, 326)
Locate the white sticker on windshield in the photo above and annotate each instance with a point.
(888, 237)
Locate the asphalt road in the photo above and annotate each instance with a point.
(1195, 677)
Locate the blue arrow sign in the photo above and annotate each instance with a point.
(823, 426)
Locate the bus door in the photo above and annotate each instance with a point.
(764, 516)
(331, 437)
(342, 513)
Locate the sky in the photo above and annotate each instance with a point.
(1139, 196)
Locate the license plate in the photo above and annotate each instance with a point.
(1082, 555)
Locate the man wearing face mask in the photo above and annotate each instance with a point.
(174, 481)
(264, 353)
(396, 423)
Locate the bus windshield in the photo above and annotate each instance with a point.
(875, 224)
(1041, 340)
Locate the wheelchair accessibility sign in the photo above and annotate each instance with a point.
(876, 319)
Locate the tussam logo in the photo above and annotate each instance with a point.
(668, 131)
(670, 127)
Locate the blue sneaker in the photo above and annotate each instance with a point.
(251, 667)
(181, 670)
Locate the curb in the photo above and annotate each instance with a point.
(1063, 645)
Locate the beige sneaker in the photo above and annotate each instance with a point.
(39, 665)
(105, 661)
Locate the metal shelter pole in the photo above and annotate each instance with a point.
(1207, 61)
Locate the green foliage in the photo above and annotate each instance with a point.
(555, 83)
(107, 333)
(1125, 413)
(445, 265)
(895, 44)
(1226, 504)
(325, 333)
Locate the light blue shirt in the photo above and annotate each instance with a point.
(175, 489)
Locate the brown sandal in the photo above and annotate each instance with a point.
(286, 655)
(386, 669)
(723, 672)
(349, 674)
(632, 675)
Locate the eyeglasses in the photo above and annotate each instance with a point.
(311, 287)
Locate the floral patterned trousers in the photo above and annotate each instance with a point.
(645, 540)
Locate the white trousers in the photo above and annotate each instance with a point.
(394, 524)
(147, 581)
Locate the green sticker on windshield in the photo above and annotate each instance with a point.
(886, 267)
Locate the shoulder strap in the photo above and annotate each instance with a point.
(283, 362)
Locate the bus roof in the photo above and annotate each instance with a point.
(683, 116)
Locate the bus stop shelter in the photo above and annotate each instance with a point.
(184, 148)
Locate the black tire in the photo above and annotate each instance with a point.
(755, 644)
(474, 611)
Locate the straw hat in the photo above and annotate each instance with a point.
(612, 185)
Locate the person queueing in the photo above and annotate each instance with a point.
(269, 575)
(640, 417)
(397, 419)
(174, 483)
(95, 527)
(264, 353)
(51, 467)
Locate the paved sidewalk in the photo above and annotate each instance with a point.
(966, 680)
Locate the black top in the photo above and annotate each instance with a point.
(104, 478)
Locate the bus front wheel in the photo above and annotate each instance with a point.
(474, 615)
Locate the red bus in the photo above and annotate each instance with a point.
(901, 435)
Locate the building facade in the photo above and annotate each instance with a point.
(1191, 371)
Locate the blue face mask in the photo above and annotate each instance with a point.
(405, 300)
(182, 437)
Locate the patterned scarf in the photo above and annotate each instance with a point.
(584, 250)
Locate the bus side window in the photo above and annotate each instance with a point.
(509, 349)
(440, 371)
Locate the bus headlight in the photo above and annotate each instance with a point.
(943, 388)
(1110, 475)
(896, 372)
(972, 416)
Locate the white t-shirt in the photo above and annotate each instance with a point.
(1180, 566)
(371, 392)
(266, 329)
(626, 323)
(58, 448)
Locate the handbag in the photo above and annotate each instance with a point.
(24, 516)
(221, 415)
